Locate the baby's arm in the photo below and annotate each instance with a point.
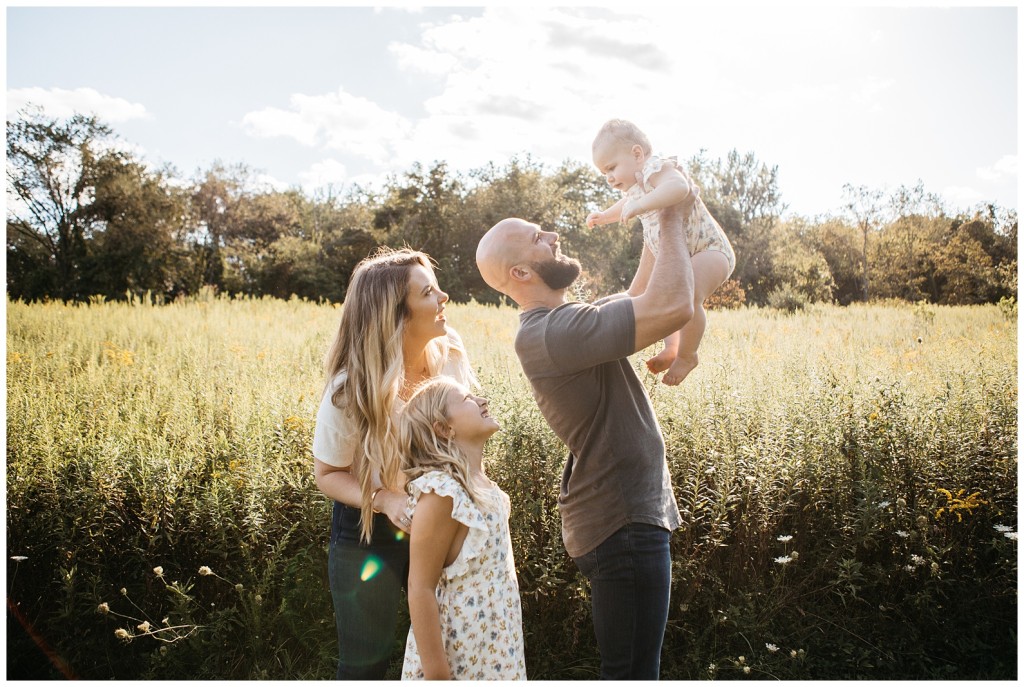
(434, 531)
(669, 187)
(643, 273)
(608, 216)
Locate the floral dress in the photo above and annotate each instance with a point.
(702, 231)
(478, 594)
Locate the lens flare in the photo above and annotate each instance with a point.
(370, 569)
(400, 535)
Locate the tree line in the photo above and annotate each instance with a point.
(88, 218)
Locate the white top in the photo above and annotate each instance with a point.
(335, 439)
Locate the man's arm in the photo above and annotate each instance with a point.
(667, 303)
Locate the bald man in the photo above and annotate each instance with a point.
(616, 499)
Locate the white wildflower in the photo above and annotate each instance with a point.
(103, 608)
(782, 560)
(122, 634)
(884, 504)
(205, 570)
(794, 555)
(1010, 535)
(771, 647)
(997, 528)
(19, 559)
(158, 571)
(901, 534)
(144, 626)
(784, 538)
(746, 670)
(916, 560)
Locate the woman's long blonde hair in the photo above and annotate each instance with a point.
(368, 348)
(423, 449)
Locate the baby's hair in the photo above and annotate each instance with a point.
(422, 449)
(625, 132)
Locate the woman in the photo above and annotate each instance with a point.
(392, 336)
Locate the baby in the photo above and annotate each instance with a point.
(649, 183)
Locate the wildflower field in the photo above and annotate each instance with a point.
(847, 476)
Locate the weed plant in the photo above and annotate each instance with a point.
(847, 478)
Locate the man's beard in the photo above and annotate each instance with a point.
(558, 273)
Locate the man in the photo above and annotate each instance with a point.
(616, 499)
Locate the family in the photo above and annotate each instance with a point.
(400, 436)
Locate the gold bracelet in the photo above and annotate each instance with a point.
(373, 496)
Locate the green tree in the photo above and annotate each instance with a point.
(838, 244)
(49, 164)
(743, 195)
(864, 207)
(136, 242)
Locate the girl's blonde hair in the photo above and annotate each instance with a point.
(423, 449)
(368, 348)
(625, 132)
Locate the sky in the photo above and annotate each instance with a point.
(882, 96)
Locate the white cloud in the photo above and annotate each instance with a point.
(869, 90)
(962, 197)
(415, 59)
(1006, 166)
(323, 173)
(538, 82)
(59, 102)
(339, 121)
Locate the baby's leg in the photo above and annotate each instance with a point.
(664, 359)
(710, 270)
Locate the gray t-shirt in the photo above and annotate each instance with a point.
(575, 357)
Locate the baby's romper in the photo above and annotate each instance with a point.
(702, 231)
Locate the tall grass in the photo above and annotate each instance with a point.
(842, 473)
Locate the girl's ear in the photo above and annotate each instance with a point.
(637, 152)
(442, 430)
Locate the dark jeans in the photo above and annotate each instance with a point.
(366, 585)
(630, 576)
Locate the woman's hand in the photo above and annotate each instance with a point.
(392, 504)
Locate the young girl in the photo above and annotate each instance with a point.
(623, 154)
(463, 591)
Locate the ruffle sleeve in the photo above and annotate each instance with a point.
(655, 164)
(463, 511)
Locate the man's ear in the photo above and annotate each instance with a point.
(520, 273)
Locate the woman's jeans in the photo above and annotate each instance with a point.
(366, 585)
(630, 576)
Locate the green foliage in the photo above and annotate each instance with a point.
(787, 299)
(847, 478)
(89, 219)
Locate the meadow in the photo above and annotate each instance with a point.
(847, 476)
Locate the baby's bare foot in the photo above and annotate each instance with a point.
(661, 362)
(680, 367)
